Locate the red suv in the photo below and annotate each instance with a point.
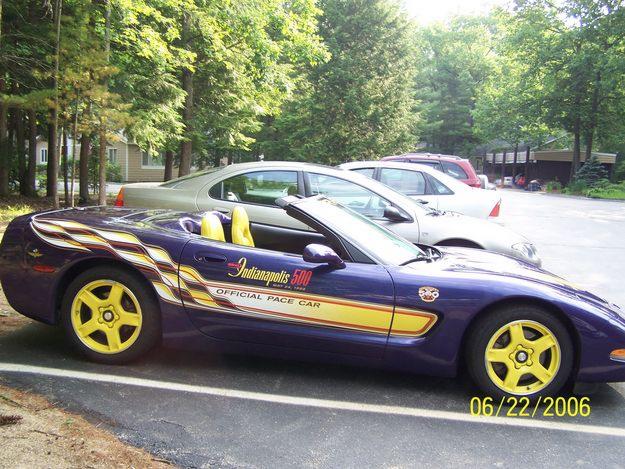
(455, 166)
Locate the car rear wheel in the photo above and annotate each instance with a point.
(520, 351)
(111, 315)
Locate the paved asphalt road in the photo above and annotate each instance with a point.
(298, 422)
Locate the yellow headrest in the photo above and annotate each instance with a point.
(241, 227)
(211, 227)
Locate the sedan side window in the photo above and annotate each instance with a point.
(438, 188)
(454, 170)
(349, 194)
(365, 171)
(258, 187)
(404, 181)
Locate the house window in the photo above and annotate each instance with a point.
(112, 154)
(44, 155)
(152, 160)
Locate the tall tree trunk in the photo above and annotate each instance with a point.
(102, 149)
(102, 169)
(527, 165)
(31, 177)
(53, 162)
(503, 168)
(4, 145)
(83, 169)
(65, 167)
(53, 156)
(576, 148)
(74, 139)
(20, 139)
(516, 152)
(594, 111)
(186, 147)
(169, 165)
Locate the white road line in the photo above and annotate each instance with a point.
(314, 402)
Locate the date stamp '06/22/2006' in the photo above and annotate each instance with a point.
(524, 407)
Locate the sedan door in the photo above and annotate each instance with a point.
(410, 183)
(361, 200)
(245, 294)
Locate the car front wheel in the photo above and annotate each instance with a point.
(111, 315)
(520, 351)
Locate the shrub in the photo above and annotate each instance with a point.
(591, 172)
(607, 191)
(576, 188)
(554, 186)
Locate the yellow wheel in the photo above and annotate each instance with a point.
(522, 357)
(520, 351)
(106, 316)
(111, 315)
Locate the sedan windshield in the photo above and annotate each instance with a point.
(376, 241)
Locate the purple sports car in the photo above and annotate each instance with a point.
(121, 280)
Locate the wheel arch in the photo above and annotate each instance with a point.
(81, 266)
(525, 301)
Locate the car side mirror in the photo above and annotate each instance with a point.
(393, 214)
(321, 254)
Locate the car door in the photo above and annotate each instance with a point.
(362, 200)
(256, 191)
(246, 294)
(410, 183)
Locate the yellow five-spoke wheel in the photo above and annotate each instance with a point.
(522, 351)
(111, 315)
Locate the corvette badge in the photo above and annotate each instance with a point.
(428, 294)
(35, 253)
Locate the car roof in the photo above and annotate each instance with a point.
(441, 176)
(376, 186)
(425, 156)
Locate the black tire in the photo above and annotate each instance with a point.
(487, 326)
(149, 333)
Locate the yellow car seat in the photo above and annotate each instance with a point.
(241, 227)
(211, 227)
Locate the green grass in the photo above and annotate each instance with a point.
(9, 212)
(615, 192)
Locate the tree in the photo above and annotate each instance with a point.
(573, 52)
(591, 172)
(359, 104)
(455, 61)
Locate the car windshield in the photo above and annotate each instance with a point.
(374, 240)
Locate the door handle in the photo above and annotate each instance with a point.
(209, 257)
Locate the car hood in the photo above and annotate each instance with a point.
(476, 261)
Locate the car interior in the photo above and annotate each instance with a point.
(237, 229)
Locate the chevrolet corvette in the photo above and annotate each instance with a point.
(120, 280)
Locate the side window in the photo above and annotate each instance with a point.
(259, 187)
(431, 163)
(404, 181)
(365, 171)
(438, 188)
(347, 193)
(454, 170)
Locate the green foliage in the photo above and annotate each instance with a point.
(113, 172)
(608, 191)
(359, 104)
(591, 173)
(455, 59)
(554, 186)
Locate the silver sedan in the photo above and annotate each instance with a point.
(256, 186)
